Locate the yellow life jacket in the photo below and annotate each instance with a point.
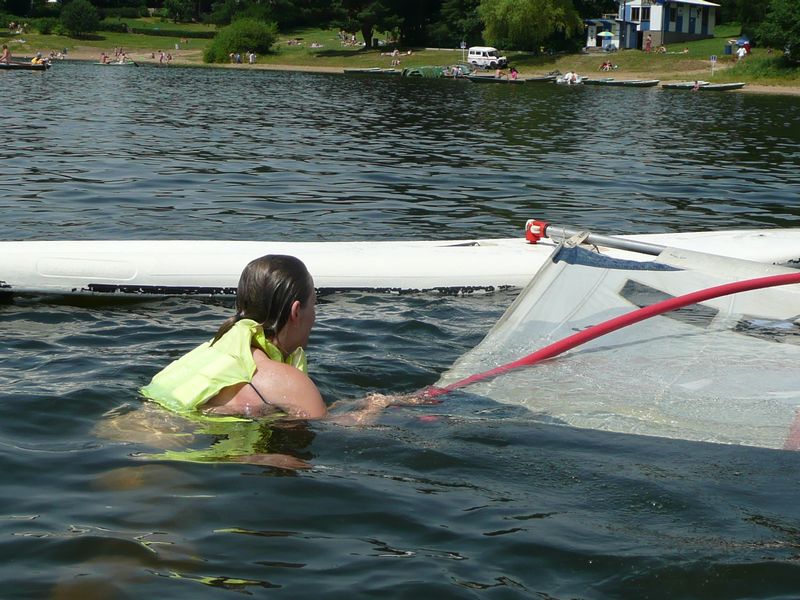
(186, 384)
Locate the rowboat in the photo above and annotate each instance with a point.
(541, 79)
(116, 63)
(622, 82)
(24, 66)
(372, 71)
(493, 79)
(141, 268)
(564, 80)
(437, 71)
(703, 86)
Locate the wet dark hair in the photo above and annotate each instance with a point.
(267, 289)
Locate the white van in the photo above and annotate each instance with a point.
(486, 57)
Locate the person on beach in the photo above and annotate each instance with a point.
(6, 56)
(741, 53)
(514, 74)
(256, 363)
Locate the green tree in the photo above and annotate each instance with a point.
(365, 16)
(589, 9)
(180, 10)
(414, 18)
(19, 8)
(285, 13)
(781, 28)
(728, 11)
(222, 13)
(458, 21)
(751, 14)
(79, 17)
(527, 24)
(240, 36)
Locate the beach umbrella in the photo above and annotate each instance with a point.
(605, 34)
(742, 41)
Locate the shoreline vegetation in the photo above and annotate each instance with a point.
(320, 50)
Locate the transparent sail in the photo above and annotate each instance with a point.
(725, 371)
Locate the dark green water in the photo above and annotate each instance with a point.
(465, 499)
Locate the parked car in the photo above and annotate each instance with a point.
(486, 57)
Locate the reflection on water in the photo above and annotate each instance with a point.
(449, 500)
(197, 153)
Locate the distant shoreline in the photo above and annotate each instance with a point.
(194, 58)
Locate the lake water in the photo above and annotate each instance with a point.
(464, 499)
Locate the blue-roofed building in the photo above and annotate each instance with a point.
(603, 32)
(664, 21)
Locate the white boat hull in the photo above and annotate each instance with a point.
(212, 268)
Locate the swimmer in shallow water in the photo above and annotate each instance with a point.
(256, 363)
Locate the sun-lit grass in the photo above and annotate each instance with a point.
(101, 42)
(765, 69)
(335, 54)
(105, 41)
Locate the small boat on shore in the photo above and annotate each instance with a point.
(372, 71)
(622, 82)
(542, 78)
(456, 71)
(493, 79)
(24, 66)
(569, 79)
(703, 86)
(116, 63)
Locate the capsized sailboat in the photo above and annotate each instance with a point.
(627, 348)
(136, 268)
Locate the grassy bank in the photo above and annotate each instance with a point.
(760, 68)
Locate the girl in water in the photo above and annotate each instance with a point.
(256, 363)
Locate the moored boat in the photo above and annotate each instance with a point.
(372, 71)
(24, 66)
(493, 79)
(147, 268)
(116, 63)
(542, 78)
(570, 79)
(703, 86)
(609, 81)
(437, 71)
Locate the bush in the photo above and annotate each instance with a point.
(781, 28)
(241, 36)
(222, 13)
(45, 25)
(79, 17)
(179, 10)
(126, 12)
(113, 26)
(172, 32)
(225, 13)
(766, 69)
